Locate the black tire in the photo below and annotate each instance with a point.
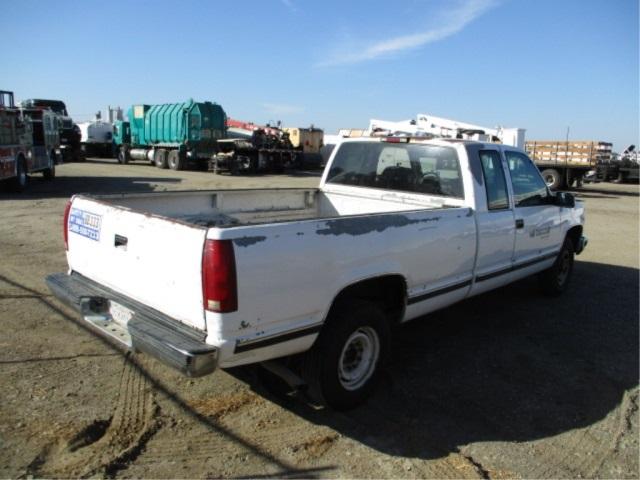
(343, 366)
(254, 164)
(622, 177)
(19, 183)
(50, 173)
(176, 160)
(233, 165)
(552, 178)
(160, 158)
(123, 155)
(555, 280)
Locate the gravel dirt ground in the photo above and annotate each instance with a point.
(506, 385)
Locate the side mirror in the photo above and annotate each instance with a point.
(564, 199)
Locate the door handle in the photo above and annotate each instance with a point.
(120, 241)
(519, 223)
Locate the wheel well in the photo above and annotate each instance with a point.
(574, 235)
(21, 158)
(389, 292)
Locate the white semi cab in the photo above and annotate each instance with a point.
(397, 229)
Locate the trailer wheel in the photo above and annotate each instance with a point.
(123, 155)
(160, 158)
(19, 183)
(343, 366)
(552, 178)
(176, 161)
(50, 173)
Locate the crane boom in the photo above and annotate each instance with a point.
(431, 126)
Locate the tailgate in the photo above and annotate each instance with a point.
(154, 260)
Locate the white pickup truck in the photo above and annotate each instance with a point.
(397, 228)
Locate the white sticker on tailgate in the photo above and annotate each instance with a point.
(85, 223)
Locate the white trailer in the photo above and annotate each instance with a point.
(96, 138)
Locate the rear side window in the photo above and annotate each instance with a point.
(494, 180)
(415, 168)
(529, 188)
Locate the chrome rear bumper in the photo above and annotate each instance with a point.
(135, 326)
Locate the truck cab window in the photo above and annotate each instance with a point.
(529, 188)
(393, 157)
(496, 184)
(416, 168)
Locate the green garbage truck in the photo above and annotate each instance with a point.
(170, 135)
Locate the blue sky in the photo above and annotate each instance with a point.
(538, 64)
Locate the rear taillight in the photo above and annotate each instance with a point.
(65, 225)
(219, 283)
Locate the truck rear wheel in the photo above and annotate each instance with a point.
(176, 161)
(555, 279)
(160, 158)
(343, 366)
(50, 173)
(552, 178)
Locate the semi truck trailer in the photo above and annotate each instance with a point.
(251, 148)
(563, 163)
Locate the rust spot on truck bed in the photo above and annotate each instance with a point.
(248, 241)
(363, 225)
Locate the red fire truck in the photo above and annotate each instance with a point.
(29, 140)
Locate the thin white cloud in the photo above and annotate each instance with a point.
(452, 22)
(290, 5)
(281, 108)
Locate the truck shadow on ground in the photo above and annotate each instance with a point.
(509, 365)
(67, 186)
(280, 468)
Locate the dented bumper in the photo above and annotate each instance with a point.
(135, 326)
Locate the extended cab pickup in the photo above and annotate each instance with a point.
(397, 228)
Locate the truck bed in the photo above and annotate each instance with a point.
(127, 243)
(231, 208)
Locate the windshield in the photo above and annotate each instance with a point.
(406, 167)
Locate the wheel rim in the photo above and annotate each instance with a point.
(358, 358)
(549, 180)
(563, 267)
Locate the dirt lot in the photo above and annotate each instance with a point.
(506, 385)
